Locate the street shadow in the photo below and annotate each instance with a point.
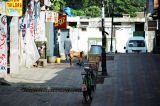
(61, 82)
(55, 82)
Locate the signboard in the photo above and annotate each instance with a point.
(51, 16)
(14, 8)
(3, 44)
(2, 8)
(62, 22)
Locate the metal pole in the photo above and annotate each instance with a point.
(158, 9)
(111, 46)
(158, 16)
(103, 55)
(158, 30)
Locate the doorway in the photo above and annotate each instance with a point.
(63, 34)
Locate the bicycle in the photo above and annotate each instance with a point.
(88, 86)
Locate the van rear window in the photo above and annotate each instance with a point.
(136, 43)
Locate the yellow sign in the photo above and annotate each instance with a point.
(14, 8)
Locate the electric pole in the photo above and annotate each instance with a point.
(103, 55)
(111, 46)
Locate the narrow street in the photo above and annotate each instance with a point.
(134, 80)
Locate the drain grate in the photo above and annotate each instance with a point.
(51, 90)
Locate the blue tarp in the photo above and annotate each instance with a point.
(68, 11)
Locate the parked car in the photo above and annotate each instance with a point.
(136, 45)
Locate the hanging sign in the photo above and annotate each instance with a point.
(51, 16)
(14, 8)
(62, 22)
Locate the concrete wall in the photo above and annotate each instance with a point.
(150, 40)
(50, 38)
(82, 33)
(40, 29)
(3, 46)
(14, 43)
(123, 33)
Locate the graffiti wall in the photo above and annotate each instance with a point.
(3, 44)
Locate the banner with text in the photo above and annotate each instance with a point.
(14, 8)
(51, 16)
(62, 22)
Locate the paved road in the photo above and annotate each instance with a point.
(27, 87)
(134, 80)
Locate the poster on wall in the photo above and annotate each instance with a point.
(51, 16)
(3, 44)
(62, 22)
(14, 8)
(2, 8)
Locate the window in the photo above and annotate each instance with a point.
(136, 43)
(84, 23)
(84, 29)
(73, 24)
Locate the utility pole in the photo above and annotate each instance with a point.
(158, 17)
(103, 55)
(158, 30)
(111, 46)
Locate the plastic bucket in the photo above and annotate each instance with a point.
(58, 60)
(96, 49)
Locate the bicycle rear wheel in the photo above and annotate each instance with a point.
(88, 95)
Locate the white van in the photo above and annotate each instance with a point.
(136, 45)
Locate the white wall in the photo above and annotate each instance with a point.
(84, 35)
(122, 32)
(122, 36)
(3, 46)
(14, 56)
(150, 35)
(40, 29)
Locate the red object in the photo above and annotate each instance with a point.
(62, 22)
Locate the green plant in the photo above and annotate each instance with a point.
(78, 12)
(93, 11)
